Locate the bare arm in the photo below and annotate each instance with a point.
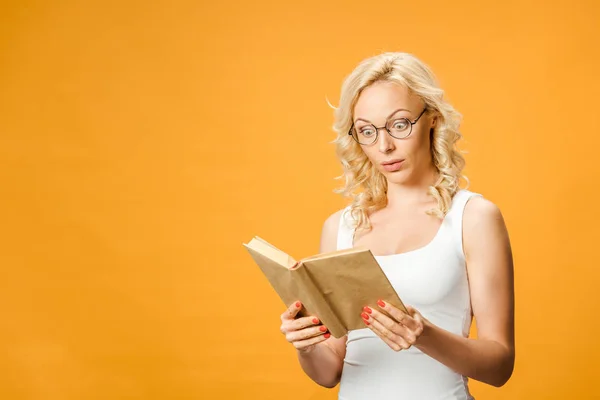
(490, 266)
(489, 358)
(323, 362)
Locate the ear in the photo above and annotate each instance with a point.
(434, 122)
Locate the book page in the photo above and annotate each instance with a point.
(333, 254)
(271, 252)
(295, 283)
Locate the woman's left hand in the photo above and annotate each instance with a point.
(399, 332)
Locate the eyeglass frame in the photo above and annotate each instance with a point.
(386, 128)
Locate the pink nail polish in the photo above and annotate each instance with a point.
(315, 321)
(365, 316)
(323, 329)
(380, 303)
(327, 335)
(367, 310)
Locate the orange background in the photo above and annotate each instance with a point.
(143, 142)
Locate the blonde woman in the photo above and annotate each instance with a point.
(444, 249)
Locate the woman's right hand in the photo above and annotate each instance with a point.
(304, 333)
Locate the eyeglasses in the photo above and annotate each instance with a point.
(399, 128)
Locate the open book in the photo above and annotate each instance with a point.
(333, 286)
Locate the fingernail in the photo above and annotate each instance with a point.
(323, 329)
(315, 321)
(366, 322)
(365, 316)
(368, 310)
(380, 303)
(327, 335)
(298, 304)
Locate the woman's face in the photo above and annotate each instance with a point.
(382, 103)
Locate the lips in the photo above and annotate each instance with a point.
(392, 165)
(391, 162)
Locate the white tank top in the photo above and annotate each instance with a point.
(432, 279)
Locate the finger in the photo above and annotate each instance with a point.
(384, 320)
(420, 323)
(292, 311)
(301, 323)
(410, 321)
(389, 334)
(399, 315)
(409, 335)
(305, 333)
(393, 345)
(303, 344)
(383, 331)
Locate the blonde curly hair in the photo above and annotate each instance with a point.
(366, 186)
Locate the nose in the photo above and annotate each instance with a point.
(386, 141)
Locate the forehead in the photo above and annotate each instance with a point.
(377, 101)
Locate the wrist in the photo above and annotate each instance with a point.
(307, 350)
(426, 336)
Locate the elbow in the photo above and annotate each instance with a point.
(504, 372)
(329, 383)
(500, 380)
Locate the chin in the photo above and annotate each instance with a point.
(398, 177)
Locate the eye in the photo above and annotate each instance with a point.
(400, 124)
(366, 131)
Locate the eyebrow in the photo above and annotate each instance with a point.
(388, 117)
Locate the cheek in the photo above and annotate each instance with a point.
(371, 154)
(412, 150)
(420, 146)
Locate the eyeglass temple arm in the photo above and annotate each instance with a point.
(419, 117)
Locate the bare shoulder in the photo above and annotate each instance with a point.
(483, 225)
(330, 232)
(481, 210)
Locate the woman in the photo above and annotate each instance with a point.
(444, 249)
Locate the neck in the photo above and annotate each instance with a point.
(400, 195)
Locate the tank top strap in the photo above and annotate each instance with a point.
(345, 230)
(454, 217)
(453, 220)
